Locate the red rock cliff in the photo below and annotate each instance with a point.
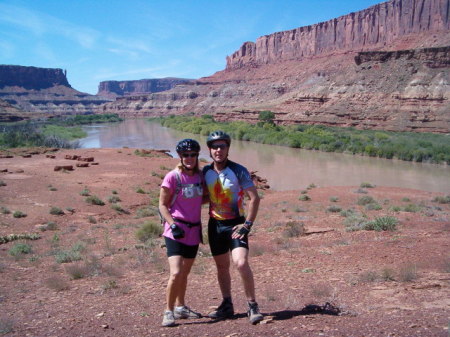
(113, 89)
(32, 77)
(377, 26)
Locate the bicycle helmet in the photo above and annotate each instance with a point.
(187, 144)
(218, 135)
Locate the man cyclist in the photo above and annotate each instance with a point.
(228, 228)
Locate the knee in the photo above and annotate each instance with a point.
(175, 275)
(242, 265)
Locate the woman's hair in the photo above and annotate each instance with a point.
(182, 169)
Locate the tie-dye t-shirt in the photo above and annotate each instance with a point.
(226, 190)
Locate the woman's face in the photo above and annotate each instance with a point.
(189, 159)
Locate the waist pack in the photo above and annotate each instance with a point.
(189, 224)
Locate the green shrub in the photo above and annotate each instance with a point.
(2, 183)
(94, 200)
(67, 256)
(140, 190)
(146, 212)
(119, 209)
(19, 249)
(413, 208)
(19, 214)
(334, 199)
(373, 207)
(113, 199)
(355, 222)
(56, 211)
(293, 229)
(347, 212)
(365, 200)
(366, 185)
(77, 271)
(4, 210)
(304, 197)
(384, 223)
(85, 193)
(149, 230)
(51, 226)
(442, 199)
(334, 209)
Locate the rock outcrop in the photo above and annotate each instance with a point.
(32, 90)
(376, 27)
(32, 78)
(113, 89)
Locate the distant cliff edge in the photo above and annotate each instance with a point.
(32, 78)
(113, 89)
(33, 90)
(376, 27)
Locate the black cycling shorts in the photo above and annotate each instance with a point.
(175, 248)
(219, 236)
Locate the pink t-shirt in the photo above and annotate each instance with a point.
(187, 205)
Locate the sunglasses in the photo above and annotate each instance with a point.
(219, 146)
(189, 155)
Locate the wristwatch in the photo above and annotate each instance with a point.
(248, 223)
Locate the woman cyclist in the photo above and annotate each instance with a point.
(180, 203)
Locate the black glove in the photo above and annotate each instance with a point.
(243, 229)
(177, 231)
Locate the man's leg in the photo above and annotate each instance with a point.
(225, 309)
(223, 273)
(240, 260)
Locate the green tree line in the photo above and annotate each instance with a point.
(408, 146)
(60, 132)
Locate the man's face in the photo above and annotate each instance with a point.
(219, 151)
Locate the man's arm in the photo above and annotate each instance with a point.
(252, 211)
(253, 203)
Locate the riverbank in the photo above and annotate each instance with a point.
(380, 282)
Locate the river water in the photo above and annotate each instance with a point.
(284, 168)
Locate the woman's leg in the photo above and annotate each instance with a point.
(186, 265)
(174, 283)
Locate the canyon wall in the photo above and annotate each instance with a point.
(113, 89)
(33, 90)
(32, 77)
(375, 27)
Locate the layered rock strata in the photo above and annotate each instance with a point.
(376, 27)
(113, 89)
(45, 91)
(403, 91)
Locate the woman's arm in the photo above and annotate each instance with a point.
(165, 197)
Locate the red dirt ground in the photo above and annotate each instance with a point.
(386, 283)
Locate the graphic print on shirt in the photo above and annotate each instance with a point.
(192, 190)
(226, 195)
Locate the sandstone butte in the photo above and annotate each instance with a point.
(385, 67)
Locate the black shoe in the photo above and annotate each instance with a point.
(253, 313)
(225, 310)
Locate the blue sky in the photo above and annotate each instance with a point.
(100, 40)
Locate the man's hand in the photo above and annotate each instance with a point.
(240, 231)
